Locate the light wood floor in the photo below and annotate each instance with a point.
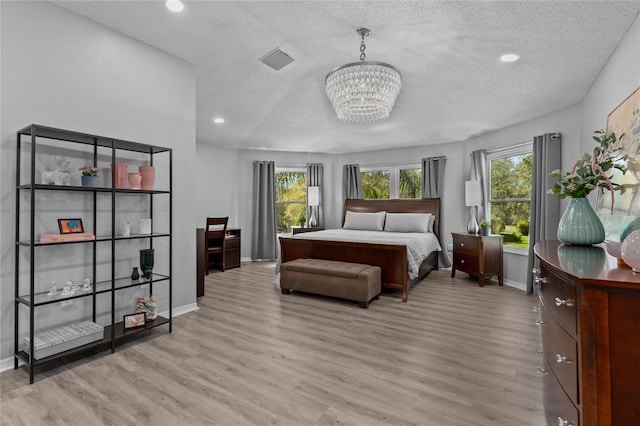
(456, 354)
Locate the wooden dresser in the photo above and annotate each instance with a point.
(477, 255)
(590, 331)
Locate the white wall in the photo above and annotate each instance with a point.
(65, 71)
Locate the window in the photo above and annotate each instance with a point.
(510, 199)
(291, 199)
(392, 182)
(410, 183)
(376, 184)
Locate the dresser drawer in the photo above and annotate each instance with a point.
(557, 406)
(464, 244)
(466, 262)
(560, 299)
(561, 352)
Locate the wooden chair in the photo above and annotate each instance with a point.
(214, 242)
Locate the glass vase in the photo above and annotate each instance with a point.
(146, 262)
(580, 225)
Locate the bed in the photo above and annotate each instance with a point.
(392, 258)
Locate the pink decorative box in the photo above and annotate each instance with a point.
(58, 238)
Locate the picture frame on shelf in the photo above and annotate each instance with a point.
(136, 320)
(71, 226)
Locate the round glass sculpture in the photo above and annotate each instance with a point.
(631, 251)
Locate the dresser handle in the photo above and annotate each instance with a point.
(541, 370)
(563, 422)
(560, 302)
(540, 322)
(536, 308)
(462, 261)
(536, 270)
(461, 244)
(539, 351)
(560, 359)
(540, 280)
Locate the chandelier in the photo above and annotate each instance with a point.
(363, 92)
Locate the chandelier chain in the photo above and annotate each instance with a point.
(362, 47)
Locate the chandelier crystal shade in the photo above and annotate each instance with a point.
(363, 92)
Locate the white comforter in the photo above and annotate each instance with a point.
(419, 245)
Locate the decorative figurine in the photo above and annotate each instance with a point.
(60, 176)
(52, 289)
(74, 285)
(135, 275)
(67, 290)
(86, 284)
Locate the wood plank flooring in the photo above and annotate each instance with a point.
(456, 354)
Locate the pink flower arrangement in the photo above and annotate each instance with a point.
(89, 170)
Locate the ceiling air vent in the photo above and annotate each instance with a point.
(276, 59)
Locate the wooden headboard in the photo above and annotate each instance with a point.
(424, 205)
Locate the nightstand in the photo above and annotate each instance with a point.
(477, 255)
(299, 230)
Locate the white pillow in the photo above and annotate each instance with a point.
(364, 221)
(408, 222)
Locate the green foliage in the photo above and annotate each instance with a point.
(499, 226)
(485, 224)
(410, 183)
(376, 184)
(291, 196)
(594, 170)
(522, 226)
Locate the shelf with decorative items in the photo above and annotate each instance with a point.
(96, 241)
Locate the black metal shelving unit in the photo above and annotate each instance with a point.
(114, 332)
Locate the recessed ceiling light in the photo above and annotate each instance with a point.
(218, 120)
(174, 5)
(509, 57)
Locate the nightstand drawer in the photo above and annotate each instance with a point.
(464, 262)
(232, 243)
(465, 244)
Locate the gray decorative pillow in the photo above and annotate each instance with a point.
(364, 221)
(409, 222)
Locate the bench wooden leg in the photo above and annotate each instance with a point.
(286, 291)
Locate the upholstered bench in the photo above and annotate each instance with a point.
(351, 281)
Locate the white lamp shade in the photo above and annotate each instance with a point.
(472, 193)
(313, 195)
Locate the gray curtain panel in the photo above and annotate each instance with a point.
(545, 208)
(264, 241)
(480, 171)
(351, 182)
(432, 187)
(315, 177)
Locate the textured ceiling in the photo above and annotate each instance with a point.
(454, 86)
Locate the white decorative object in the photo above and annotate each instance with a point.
(144, 226)
(86, 285)
(126, 229)
(313, 200)
(363, 92)
(58, 340)
(60, 176)
(52, 288)
(631, 251)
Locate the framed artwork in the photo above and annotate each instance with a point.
(70, 226)
(624, 119)
(134, 320)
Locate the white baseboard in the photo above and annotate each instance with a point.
(515, 284)
(7, 363)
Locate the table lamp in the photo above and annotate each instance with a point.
(313, 200)
(473, 198)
